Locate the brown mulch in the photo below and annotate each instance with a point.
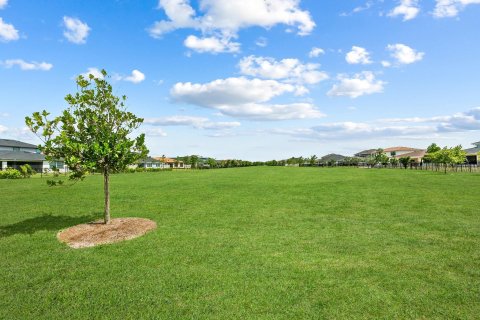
(96, 233)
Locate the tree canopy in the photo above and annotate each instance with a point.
(92, 134)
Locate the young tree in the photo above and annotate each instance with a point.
(405, 161)
(313, 160)
(92, 133)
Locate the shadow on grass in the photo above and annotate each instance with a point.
(44, 223)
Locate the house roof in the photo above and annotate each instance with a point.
(418, 153)
(148, 159)
(332, 156)
(16, 144)
(473, 151)
(167, 160)
(399, 149)
(21, 156)
(367, 152)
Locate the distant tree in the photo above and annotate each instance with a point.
(212, 163)
(92, 134)
(429, 155)
(194, 161)
(378, 157)
(394, 162)
(405, 161)
(313, 160)
(449, 156)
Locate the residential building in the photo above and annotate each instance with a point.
(332, 159)
(472, 153)
(14, 154)
(366, 153)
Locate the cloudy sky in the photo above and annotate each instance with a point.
(254, 79)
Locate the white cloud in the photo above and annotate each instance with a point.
(211, 44)
(404, 54)
(358, 85)
(390, 128)
(76, 30)
(136, 77)
(195, 122)
(358, 9)
(244, 98)
(154, 132)
(451, 8)
(3, 129)
(407, 8)
(358, 55)
(94, 72)
(315, 52)
(291, 70)
(386, 64)
(226, 18)
(8, 32)
(462, 121)
(3, 3)
(261, 42)
(27, 66)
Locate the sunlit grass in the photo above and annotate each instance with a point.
(275, 243)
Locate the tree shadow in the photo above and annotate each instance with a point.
(46, 222)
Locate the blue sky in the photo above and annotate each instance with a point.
(254, 79)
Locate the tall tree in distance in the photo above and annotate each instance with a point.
(92, 134)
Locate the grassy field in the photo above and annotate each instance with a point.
(261, 243)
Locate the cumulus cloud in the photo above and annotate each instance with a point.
(3, 129)
(211, 44)
(291, 70)
(191, 121)
(389, 128)
(8, 32)
(451, 8)
(75, 31)
(3, 3)
(27, 66)
(244, 98)
(407, 8)
(403, 54)
(135, 77)
(225, 18)
(316, 52)
(154, 132)
(358, 85)
(462, 121)
(358, 55)
(94, 72)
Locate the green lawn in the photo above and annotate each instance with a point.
(262, 243)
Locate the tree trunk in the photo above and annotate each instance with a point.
(106, 190)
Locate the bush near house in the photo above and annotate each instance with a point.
(10, 173)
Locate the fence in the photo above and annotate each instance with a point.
(432, 167)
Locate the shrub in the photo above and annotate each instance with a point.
(27, 171)
(10, 173)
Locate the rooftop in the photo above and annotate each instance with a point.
(16, 144)
(21, 156)
(399, 149)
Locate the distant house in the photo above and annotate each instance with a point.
(415, 156)
(366, 153)
(472, 153)
(172, 163)
(332, 158)
(14, 154)
(150, 162)
(399, 151)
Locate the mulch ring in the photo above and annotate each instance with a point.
(95, 233)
